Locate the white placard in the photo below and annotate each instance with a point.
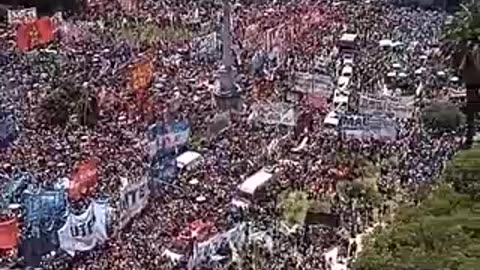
(21, 15)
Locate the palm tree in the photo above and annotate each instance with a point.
(464, 40)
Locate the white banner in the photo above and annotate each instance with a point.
(127, 5)
(275, 114)
(313, 83)
(368, 104)
(207, 44)
(207, 249)
(400, 107)
(83, 232)
(365, 127)
(133, 199)
(21, 15)
(401, 111)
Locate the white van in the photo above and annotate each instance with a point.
(348, 42)
(347, 71)
(189, 160)
(331, 119)
(252, 189)
(343, 83)
(340, 100)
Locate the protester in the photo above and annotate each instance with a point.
(90, 55)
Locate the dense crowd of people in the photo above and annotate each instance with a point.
(181, 89)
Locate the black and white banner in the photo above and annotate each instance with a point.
(207, 250)
(313, 83)
(399, 107)
(208, 44)
(368, 126)
(274, 114)
(133, 198)
(368, 104)
(20, 16)
(83, 232)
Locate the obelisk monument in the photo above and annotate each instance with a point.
(226, 91)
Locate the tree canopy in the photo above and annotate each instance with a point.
(294, 206)
(464, 172)
(443, 116)
(443, 232)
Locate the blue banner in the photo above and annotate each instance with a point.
(164, 169)
(165, 138)
(45, 209)
(368, 126)
(8, 129)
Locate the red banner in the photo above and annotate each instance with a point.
(8, 234)
(84, 179)
(34, 33)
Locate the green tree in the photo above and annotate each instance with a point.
(442, 233)
(66, 101)
(442, 116)
(464, 172)
(294, 206)
(463, 37)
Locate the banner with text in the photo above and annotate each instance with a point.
(164, 169)
(32, 34)
(20, 16)
(133, 199)
(368, 126)
(274, 114)
(83, 232)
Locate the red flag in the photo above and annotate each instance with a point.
(83, 179)
(45, 30)
(24, 36)
(34, 33)
(8, 234)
